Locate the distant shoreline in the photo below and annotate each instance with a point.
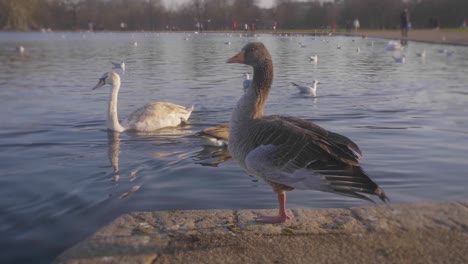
(443, 36)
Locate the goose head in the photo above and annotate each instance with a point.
(254, 54)
(110, 78)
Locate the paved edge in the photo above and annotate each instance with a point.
(404, 233)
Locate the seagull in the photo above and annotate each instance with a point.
(312, 90)
(135, 44)
(302, 45)
(227, 43)
(120, 65)
(247, 81)
(313, 58)
(421, 54)
(20, 50)
(358, 50)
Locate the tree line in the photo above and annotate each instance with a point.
(151, 15)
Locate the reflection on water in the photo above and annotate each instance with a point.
(59, 166)
(113, 140)
(212, 156)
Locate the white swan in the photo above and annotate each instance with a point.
(150, 117)
(289, 152)
(312, 90)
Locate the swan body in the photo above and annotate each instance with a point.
(216, 136)
(312, 90)
(289, 152)
(150, 117)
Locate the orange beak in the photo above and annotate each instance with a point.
(238, 58)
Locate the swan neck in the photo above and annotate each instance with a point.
(112, 121)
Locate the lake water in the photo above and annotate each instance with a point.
(57, 159)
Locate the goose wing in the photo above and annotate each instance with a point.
(303, 155)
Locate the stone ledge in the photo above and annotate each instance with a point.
(405, 233)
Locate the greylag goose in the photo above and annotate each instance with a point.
(150, 117)
(216, 136)
(287, 152)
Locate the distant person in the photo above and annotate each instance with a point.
(246, 27)
(356, 24)
(404, 22)
(275, 24)
(234, 26)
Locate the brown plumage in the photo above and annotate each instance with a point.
(288, 152)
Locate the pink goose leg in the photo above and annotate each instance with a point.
(282, 217)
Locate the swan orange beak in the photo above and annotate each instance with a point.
(101, 82)
(238, 58)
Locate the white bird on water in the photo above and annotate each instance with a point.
(313, 58)
(394, 45)
(247, 81)
(20, 50)
(400, 59)
(312, 90)
(421, 54)
(120, 65)
(150, 117)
